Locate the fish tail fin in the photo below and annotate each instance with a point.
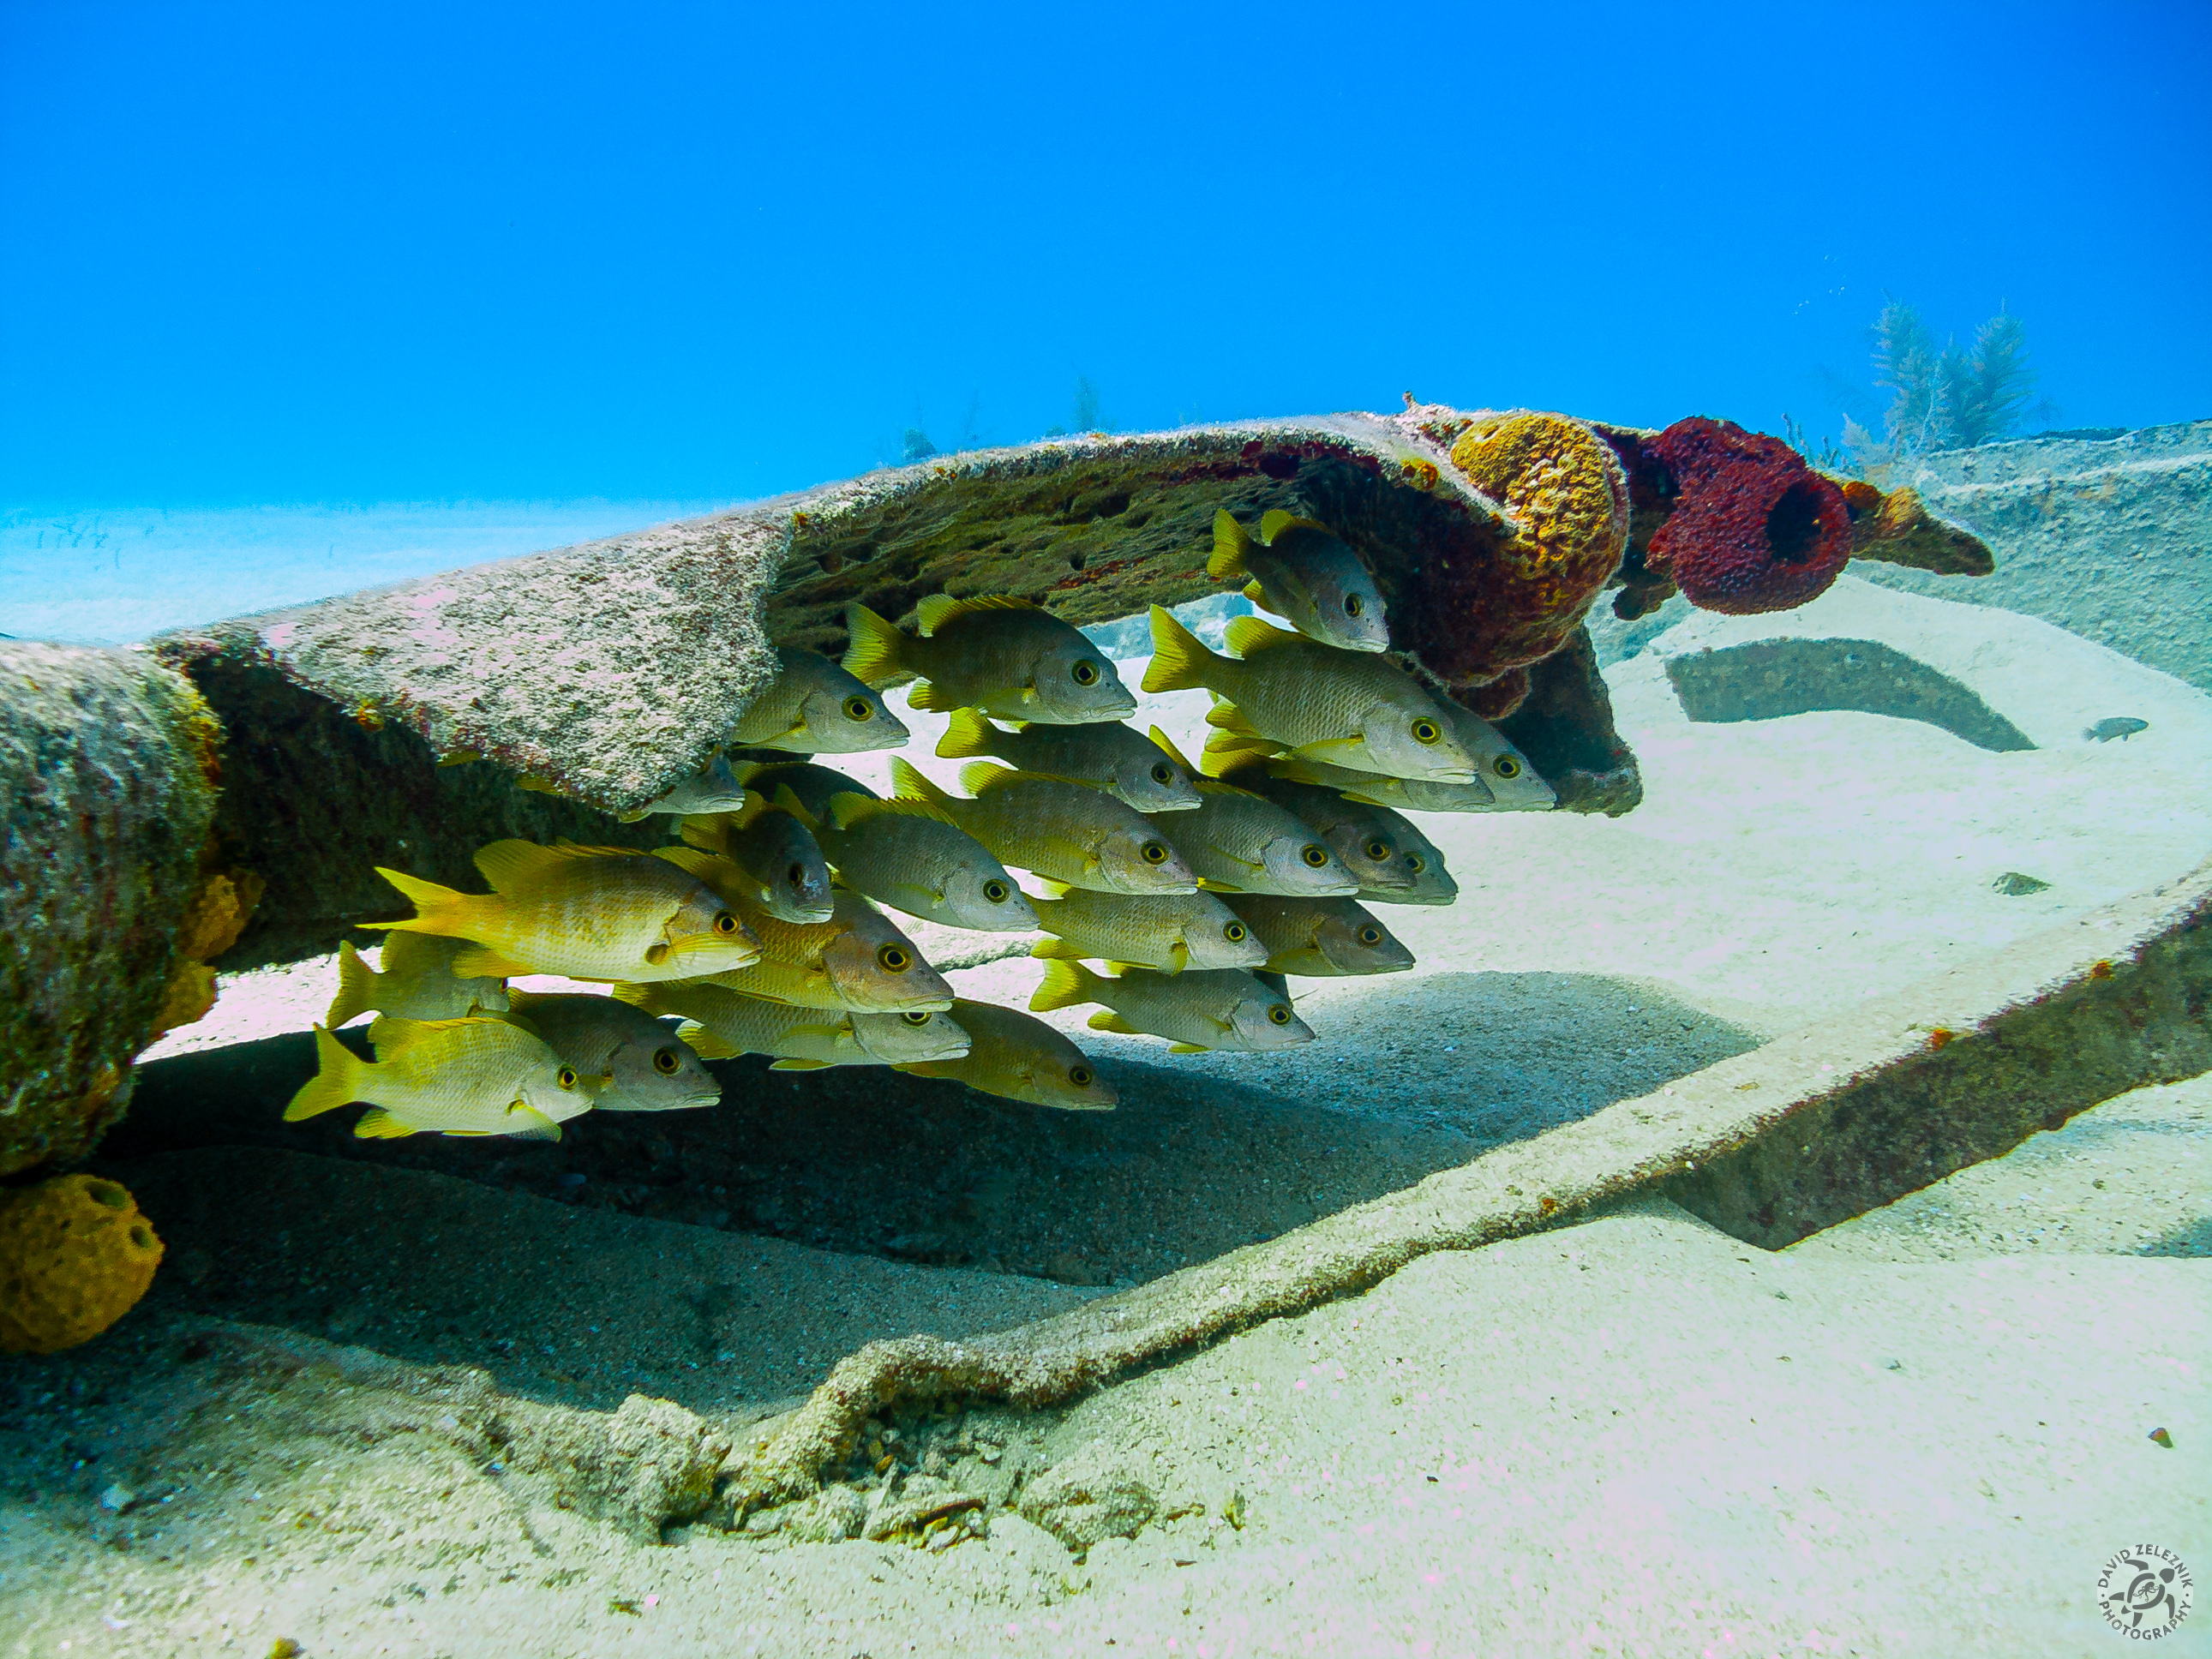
(377, 1124)
(1231, 543)
(1066, 983)
(437, 910)
(356, 986)
(1180, 659)
(873, 655)
(967, 736)
(908, 783)
(339, 1076)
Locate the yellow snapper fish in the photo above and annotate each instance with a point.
(1420, 859)
(414, 979)
(1305, 575)
(1504, 770)
(856, 959)
(455, 1077)
(1505, 781)
(907, 854)
(1239, 843)
(1171, 933)
(715, 789)
(722, 1024)
(1062, 831)
(814, 706)
(1204, 1008)
(1106, 756)
(1319, 938)
(644, 1066)
(1015, 1057)
(1003, 655)
(813, 784)
(597, 912)
(785, 873)
(1284, 690)
(1365, 838)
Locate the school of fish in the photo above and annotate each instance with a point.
(1178, 899)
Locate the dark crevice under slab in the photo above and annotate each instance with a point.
(1768, 679)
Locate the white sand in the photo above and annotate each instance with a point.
(1921, 1432)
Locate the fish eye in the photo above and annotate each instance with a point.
(665, 1062)
(726, 924)
(1315, 857)
(1427, 732)
(566, 1077)
(1235, 932)
(796, 875)
(656, 953)
(997, 891)
(1085, 671)
(1416, 863)
(859, 708)
(1371, 936)
(1506, 766)
(1080, 1076)
(1378, 849)
(1278, 1014)
(894, 958)
(1353, 605)
(1163, 773)
(1153, 852)
(915, 1019)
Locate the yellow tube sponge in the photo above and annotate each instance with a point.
(1517, 602)
(74, 1257)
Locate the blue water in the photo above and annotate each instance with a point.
(284, 253)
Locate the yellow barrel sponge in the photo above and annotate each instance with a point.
(75, 1255)
(1563, 487)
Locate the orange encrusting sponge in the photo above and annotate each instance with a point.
(74, 1257)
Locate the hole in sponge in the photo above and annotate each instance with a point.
(142, 1237)
(108, 1194)
(1793, 523)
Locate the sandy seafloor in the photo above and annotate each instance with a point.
(1922, 1431)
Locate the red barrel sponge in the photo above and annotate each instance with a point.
(1753, 528)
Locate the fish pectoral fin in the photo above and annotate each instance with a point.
(1107, 1020)
(1072, 851)
(1338, 752)
(1178, 957)
(1188, 1048)
(799, 1065)
(1208, 884)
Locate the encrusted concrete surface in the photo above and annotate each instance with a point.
(2109, 538)
(108, 764)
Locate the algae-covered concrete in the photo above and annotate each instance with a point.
(2109, 536)
(108, 766)
(615, 668)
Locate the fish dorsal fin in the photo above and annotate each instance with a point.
(1215, 786)
(787, 802)
(1275, 521)
(939, 609)
(978, 775)
(848, 809)
(1247, 636)
(694, 861)
(390, 1033)
(909, 782)
(1167, 745)
(704, 1044)
(505, 863)
(702, 831)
